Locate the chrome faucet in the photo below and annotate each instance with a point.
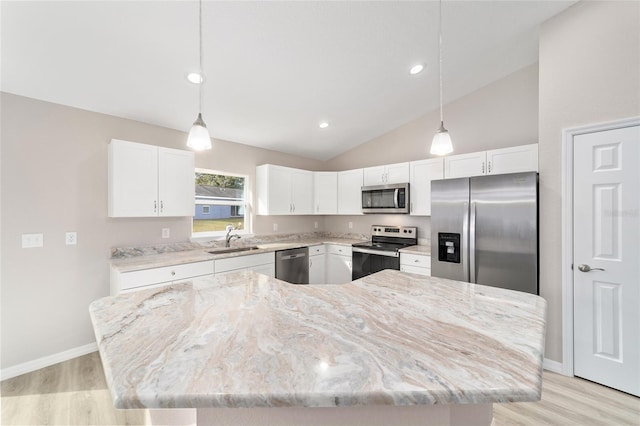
(230, 235)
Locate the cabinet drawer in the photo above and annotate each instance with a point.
(239, 262)
(339, 249)
(415, 270)
(418, 260)
(145, 277)
(315, 250)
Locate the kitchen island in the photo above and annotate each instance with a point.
(390, 348)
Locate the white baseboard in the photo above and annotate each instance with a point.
(36, 364)
(553, 366)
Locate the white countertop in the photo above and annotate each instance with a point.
(391, 338)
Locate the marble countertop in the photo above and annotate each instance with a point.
(423, 250)
(391, 338)
(136, 263)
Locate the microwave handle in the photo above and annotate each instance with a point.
(396, 193)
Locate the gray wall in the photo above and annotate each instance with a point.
(589, 73)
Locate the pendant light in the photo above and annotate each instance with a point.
(441, 144)
(199, 138)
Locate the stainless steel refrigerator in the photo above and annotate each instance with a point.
(484, 230)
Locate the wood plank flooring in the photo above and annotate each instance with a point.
(75, 393)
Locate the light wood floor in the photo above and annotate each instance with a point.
(75, 393)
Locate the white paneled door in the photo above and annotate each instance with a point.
(606, 271)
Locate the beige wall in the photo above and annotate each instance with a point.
(54, 180)
(501, 114)
(589, 73)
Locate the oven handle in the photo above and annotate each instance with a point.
(376, 252)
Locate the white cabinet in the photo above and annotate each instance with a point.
(498, 161)
(317, 262)
(283, 190)
(123, 282)
(339, 264)
(389, 173)
(513, 160)
(325, 192)
(146, 180)
(349, 192)
(421, 175)
(263, 263)
(415, 263)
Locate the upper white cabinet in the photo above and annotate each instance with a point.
(350, 192)
(513, 160)
(146, 180)
(390, 173)
(325, 192)
(283, 190)
(421, 174)
(498, 161)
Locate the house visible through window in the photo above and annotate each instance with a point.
(220, 201)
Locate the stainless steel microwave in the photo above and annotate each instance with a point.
(393, 198)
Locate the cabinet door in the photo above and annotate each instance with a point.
(465, 165)
(349, 192)
(176, 182)
(133, 179)
(397, 173)
(273, 189)
(422, 173)
(374, 175)
(316, 269)
(513, 160)
(301, 191)
(338, 269)
(268, 269)
(325, 192)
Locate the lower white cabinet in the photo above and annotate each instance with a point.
(263, 263)
(317, 264)
(123, 282)
(415, 263)
(339, 264)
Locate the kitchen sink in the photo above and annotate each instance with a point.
(233, 250)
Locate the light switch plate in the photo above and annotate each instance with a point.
(275, 226)
(166, 232)
(32, 240)
(350, 225)
(71, 238)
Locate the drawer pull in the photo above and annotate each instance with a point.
(173, 273)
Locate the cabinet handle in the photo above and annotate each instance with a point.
(489, 171)
(294, 208)
(155, 206)
(483, 167)
(161, 206)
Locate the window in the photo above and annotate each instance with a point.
(220, 201)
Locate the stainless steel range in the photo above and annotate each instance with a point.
(383, 251)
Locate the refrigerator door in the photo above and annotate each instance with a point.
(449, 229)
(503, 231)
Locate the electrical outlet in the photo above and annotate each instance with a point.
(166, 232)
(350, 225)
(275, 226)
(315, 225)
(32, 240)
(71, 238)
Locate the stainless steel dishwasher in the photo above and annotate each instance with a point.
(293, 265)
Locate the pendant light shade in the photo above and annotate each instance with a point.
(441, 144)
(199, 138)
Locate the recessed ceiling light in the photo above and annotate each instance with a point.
(323, 125)
(416, 69)
(195, 78)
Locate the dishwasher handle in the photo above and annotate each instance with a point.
(293, 256)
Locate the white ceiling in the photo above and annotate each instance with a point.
(273, 70)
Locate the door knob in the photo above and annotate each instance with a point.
(587, 268)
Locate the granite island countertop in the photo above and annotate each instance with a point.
(391, 338)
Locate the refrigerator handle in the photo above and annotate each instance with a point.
(472, 243)
(464, 252)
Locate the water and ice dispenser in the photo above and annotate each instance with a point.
(448, 247)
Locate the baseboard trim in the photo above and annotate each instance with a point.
(553, 366)
(36, 364)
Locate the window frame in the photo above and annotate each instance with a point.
(248, 223)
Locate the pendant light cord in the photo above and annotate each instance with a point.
(440, 55)
(201, 73)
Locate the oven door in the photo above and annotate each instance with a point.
(368, 261)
